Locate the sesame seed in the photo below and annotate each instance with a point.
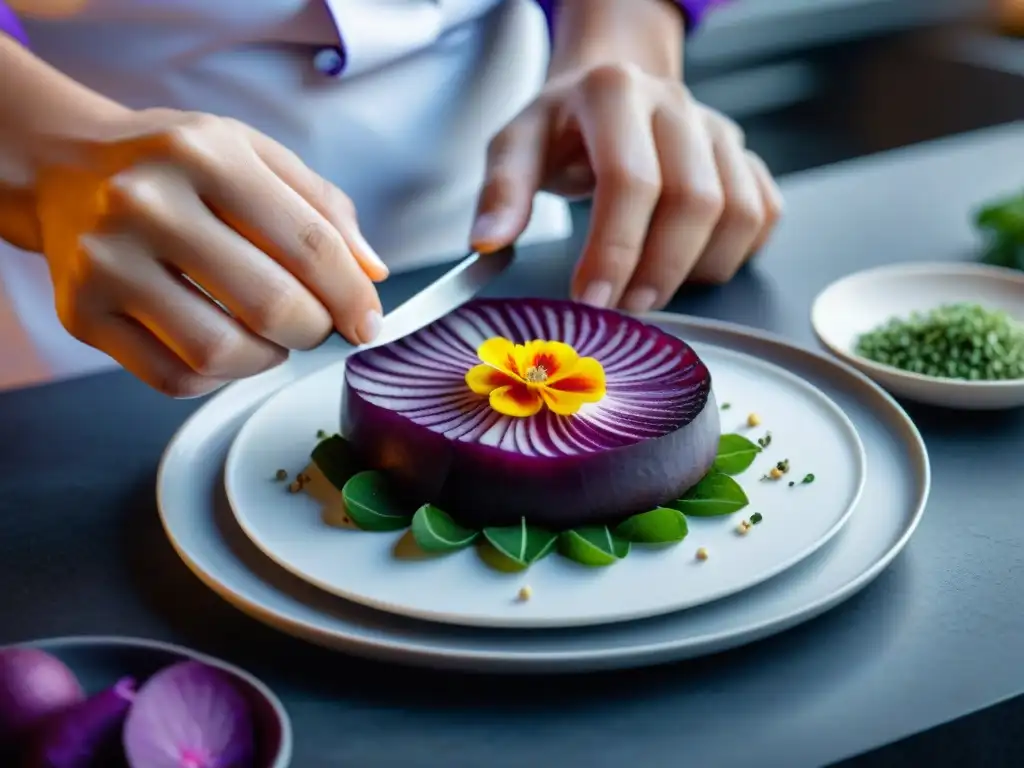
(702, 554)
(753, 420)
(525, 593)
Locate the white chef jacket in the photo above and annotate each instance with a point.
(392, 100)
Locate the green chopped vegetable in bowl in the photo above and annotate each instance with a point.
(963, 341)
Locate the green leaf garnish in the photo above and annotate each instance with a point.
(717, 494)
(594, 546)
(372, 503)
(735, 454)
(335, 458)
(522, 545)
(662, 525)
(435, 531)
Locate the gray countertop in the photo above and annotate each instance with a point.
(935, 637)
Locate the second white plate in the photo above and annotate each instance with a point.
(807, 428)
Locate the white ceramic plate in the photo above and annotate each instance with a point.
(862, 301)
(807, 428)
(202, 529)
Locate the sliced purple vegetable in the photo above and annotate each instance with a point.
(77, 736)
(33, 685)
(189, 715)
(408, 410)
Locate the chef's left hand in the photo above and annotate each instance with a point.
(676, 194)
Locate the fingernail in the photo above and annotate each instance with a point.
(597, 294)
(369, 329)
(494, 229)
(640, 300)
(366, 249)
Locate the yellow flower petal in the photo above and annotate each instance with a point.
(516, 400)
(586, 380)
(483, 379)
(550, 359)
(499, 353)
(562, 403)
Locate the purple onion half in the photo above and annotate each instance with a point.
(407, 410)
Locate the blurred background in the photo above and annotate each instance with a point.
(818, 81)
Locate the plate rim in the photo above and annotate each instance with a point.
(954, 387)
(525, 622)
(516, 661)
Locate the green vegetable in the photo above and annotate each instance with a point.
(717, 494)
(1002, 223)
(521, 544)
(808, 479)
(662, 525)
(756, 518)
(435, 531)
(955, 341)
(594, 546)
(735, 454)
(335, 458)
(726, 406)
(372, 504)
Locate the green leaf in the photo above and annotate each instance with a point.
(521, 544)
(662, 525)
(435, 531)
(735, 454)
(595, 546)
(373, 504)
(1003, 217)
(717, 494)
(335, 458)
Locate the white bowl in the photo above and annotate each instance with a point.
(860, 302)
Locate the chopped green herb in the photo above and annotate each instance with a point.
(783, 466)
(808, 479)
(955, 341)
(320, 434)
(726, 406)
(756, 518)
(792, 483)
(765, 441)
(281, 474)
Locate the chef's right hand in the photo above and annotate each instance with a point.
(143, 228)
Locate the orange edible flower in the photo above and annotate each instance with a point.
(520, 379)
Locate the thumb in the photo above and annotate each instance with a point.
(515, 169)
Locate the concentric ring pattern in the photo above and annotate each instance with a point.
(655, 383)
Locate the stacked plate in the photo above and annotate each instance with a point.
(270, 553)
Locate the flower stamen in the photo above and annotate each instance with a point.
(536, 374)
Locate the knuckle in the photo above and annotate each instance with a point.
(747, 215)
(706, 203)
(645, 186)
(136, 192)
(319, 246)
(215, 356)
(272, 314)
(195, 138)
(618, 76)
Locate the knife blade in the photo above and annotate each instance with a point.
(449, 292)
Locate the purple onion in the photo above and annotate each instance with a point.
(76, 737)
(189, 715)
(408, 410)
(33, 685)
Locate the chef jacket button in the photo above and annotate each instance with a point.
(330, 61)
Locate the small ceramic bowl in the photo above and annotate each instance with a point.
(861, 302)
(99, 661)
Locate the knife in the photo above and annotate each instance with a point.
(449, 292)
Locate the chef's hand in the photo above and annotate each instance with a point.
(195, 250)
(676, 194)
